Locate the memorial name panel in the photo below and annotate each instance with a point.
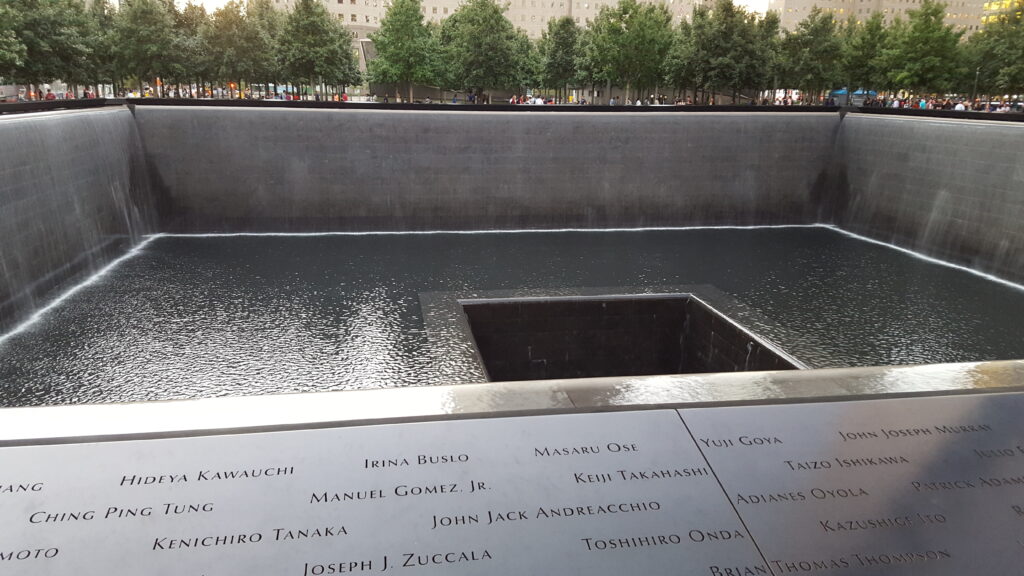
(570, 494)
(911, 486)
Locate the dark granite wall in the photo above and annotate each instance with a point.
(951, 189)
(268, 169)
(73, 194)
(77, 189)
(540, 339)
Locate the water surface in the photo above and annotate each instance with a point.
(212, 316)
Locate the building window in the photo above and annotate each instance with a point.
(352, 18)
(445, 9)
(433, 10)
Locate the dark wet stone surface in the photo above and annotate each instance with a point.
(196, 317)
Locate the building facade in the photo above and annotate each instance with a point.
(363, 16)
(998, 10)
(964, 15)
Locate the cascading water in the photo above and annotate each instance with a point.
(73, 194)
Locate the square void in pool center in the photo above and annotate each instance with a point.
(587, 337)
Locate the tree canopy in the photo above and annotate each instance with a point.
(628, 43)
(813, 53)
(557, 51)
(994, 57)
(403, 45)
(923, 54)
(314, 48)
(721, 48)
(481, 49)
(12, 50)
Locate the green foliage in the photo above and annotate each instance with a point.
(679, 69)
(588, 60)
(726, 48)
(144, 39)
(863, 60)
(994, 58)
(102, 18)
(722, 48)
(629, 43)
(315, 49)
(12, 50)
(404, 47)
(192, 59)
(813, 53)
(51, 40)
(557, 52)
(481, 49)
(529, 65)
(768, 65)
(923, 55)
(266, 25)
(232, 41)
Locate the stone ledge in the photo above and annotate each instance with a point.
(98, 422)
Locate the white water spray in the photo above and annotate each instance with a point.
(38, 314)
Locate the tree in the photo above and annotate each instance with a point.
(342, 64)
(630, 42)
(923, 54)
(51, 40)
(590, 65)
(193, 62)
(144, 39)
(481, 48)
(403, 45)
(315, 49)
(233, 45)
(528, 67)
(12, 50)
(994, 57)
(1009, 54)
(813, 53)
(726, 48)
(78, 56)
(735, 49)
(439, 71)
(863, 62)
(768, 63)
(102, 66)
(266, 25)
(679, 70)
(557, 52)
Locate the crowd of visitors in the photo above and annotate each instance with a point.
(787, 99)
(958, 104)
